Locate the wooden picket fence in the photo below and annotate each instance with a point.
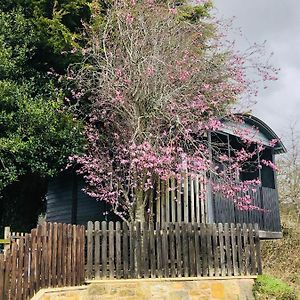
(116, 250)
(52, 255)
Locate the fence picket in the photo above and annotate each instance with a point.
(111, 249)
(178, 250)
(145, 251)
(204, 249)
(159, 250)
(104, 249)
(192, 258)
(257, 249)
(89, 265)
(97, 248)
(118, 250)
(54, 254)
(172, 249)
(152, 255)
(185, 250)
(125, 250)
(2, 276)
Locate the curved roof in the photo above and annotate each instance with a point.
(264, 135)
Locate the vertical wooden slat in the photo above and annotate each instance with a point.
(38, 256)
(197, 202)
(111, 249)
(158, 202)
(118, 250)
(97, 249)
(227, 249)
(159, 250)
(132, 251)
(125, 250)
(173, 202)
(49, 254)
(178, 249)
(152, 255)
(203, 188)
(257, 249)
(44, 248)
(215, 250)
(138, 249)
(165, 251)
(192, 199)
(7, 275)
(168, 200)
(186, 198)
(89, 265)
(145, 250)
(234, 248)
(209, 250)
(246, 250)
(65, 253)
(54, 256)
(82, 253)
(78, 266)
(222, 253)
(163, 201)
(172, 249)
(203, 233)
(20, 269)
(59, 258)
(185, 250)
(14, 269)
(252, 250)
(239, 249)
(69, 261)
(197, 249)
(104, 248)
(178, 199)
(2, 276)
(74, 246)
(27, 259)
(192, 263)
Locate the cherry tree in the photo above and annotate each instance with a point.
(158, 78)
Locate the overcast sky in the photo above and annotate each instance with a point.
(277, 22)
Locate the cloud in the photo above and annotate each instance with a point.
(278, 23)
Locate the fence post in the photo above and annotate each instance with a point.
(7, 236)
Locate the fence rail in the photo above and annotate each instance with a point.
(116, 250)
(51, 255)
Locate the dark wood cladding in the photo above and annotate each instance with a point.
(68, 203)
(267, 217)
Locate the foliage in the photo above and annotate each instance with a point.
(158, 78)
(289, 175)
(268, 287)
(37, 40)
(281, 257)
(57, 30)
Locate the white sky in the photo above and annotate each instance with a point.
(277, 22)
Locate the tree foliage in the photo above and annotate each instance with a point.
(158, 77)
(38, 41)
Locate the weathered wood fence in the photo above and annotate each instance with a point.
(116, 250)
(51, 255)
(180, 200)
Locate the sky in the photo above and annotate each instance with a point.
(278, 23)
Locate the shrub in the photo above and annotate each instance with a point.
(268, 287)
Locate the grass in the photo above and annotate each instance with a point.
(281, 260)
(268, 287)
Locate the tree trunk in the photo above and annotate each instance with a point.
(140, 211)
